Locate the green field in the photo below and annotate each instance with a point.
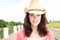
(53, 25)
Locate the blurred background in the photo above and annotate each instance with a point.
(12, 16)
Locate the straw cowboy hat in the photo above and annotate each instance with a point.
(35, 7)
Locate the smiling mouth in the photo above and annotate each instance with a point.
(35, 21)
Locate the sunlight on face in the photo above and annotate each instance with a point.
(34, 19)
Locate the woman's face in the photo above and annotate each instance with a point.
(34, 19)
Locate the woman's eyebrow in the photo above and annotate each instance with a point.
(31, 13)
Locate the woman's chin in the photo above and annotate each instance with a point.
(35, 25)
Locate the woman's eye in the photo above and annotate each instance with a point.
(38, 15)
(31, 14)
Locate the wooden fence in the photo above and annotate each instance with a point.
(6, 30)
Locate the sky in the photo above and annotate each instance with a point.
(13, 10)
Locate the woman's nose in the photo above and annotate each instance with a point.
(35, 17)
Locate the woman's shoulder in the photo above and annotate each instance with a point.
(20, 35)
(50, 35)
(21, 32)
(50, 32)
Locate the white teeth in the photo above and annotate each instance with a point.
(34, 21)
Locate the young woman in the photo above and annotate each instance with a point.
(35, 24)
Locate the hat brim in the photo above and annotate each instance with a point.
(36, 12)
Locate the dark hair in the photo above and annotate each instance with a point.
(42, 29)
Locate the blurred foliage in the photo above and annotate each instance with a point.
(3, 23)
(54, 21)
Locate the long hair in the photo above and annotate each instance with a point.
(42, 29)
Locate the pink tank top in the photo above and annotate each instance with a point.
(21, 36)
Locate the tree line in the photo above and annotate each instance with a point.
(3, 23)
(55, 21)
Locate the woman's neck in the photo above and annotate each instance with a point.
(34, 28)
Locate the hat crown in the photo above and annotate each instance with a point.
(34, 4)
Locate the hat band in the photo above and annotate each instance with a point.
(35, 10)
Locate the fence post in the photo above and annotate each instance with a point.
(15, 29)
(19, 28)
(6, 32)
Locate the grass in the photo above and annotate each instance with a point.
(53, 25)
(10, 30)
(1, 39)
(1, 33)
